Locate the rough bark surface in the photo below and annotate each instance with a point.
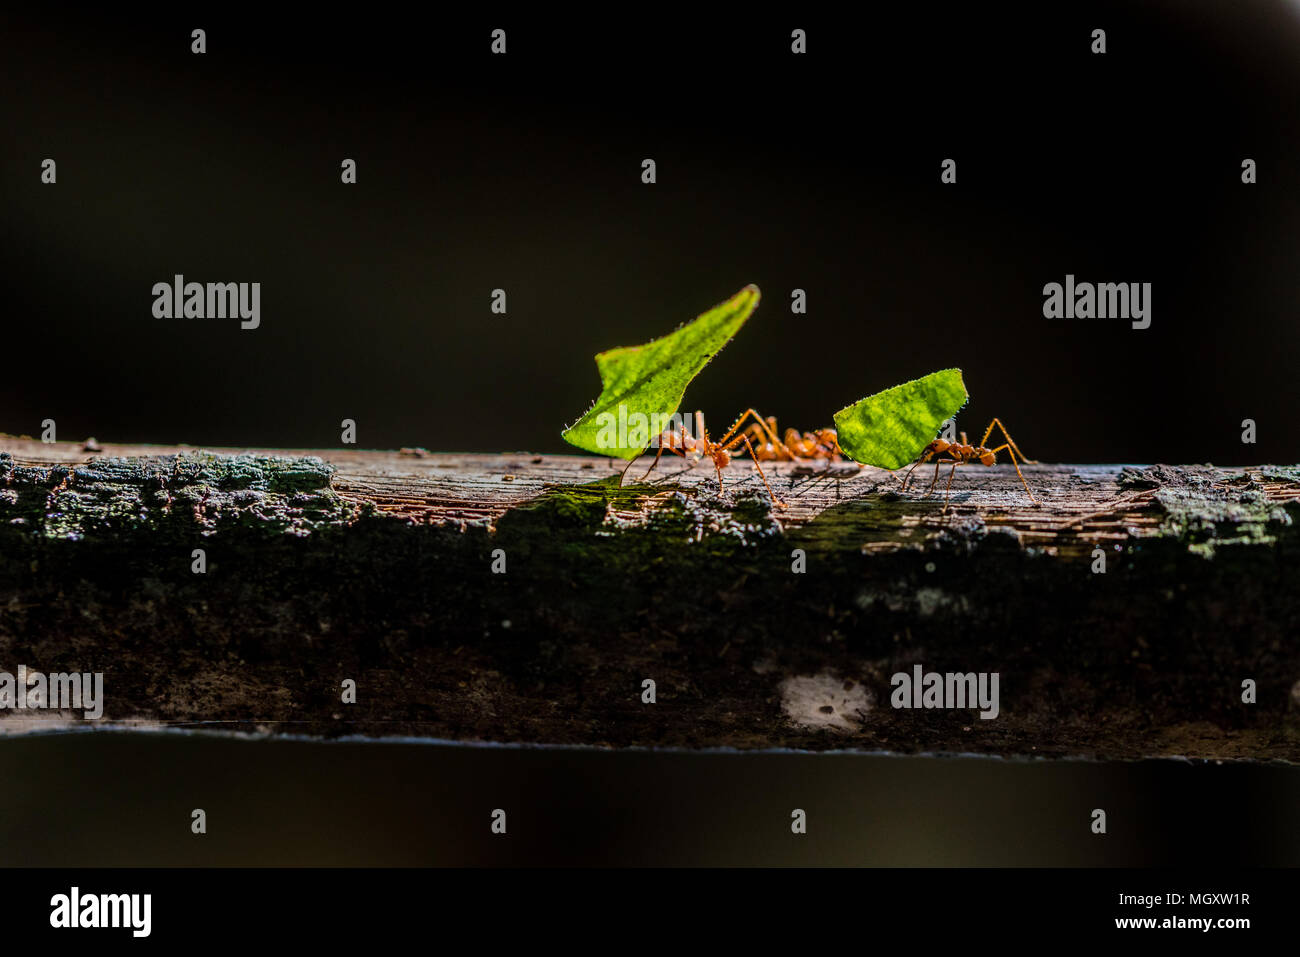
(329, 565)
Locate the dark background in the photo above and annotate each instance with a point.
(523, 172)
(105, 799)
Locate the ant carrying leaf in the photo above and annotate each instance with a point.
(891, 428)
(643, 386)
(897, 427)
(763, 446)
(963, 453)
(720, 452)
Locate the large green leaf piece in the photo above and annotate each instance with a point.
(892, 428)
(643, 385)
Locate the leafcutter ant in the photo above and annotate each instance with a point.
(720, 451)
(962, 453)
(822, 444)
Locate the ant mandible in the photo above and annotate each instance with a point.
(962, 453)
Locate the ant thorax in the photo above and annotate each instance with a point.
(963, 451)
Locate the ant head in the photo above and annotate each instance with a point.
(940, 445)
(987, 457)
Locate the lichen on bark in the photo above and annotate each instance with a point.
(274, 493)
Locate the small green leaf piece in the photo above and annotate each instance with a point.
(643, 385)
(892, 428)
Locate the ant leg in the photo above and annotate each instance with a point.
(772, 431)
(935, 480)
(921, 461)
(661, 452)
(760, 474)
(908, 477)
(947, 492)
(740, 419)
(709, 447)
(836, 454)
(1010, 441)
(728, 442)
(1012, 452)
(733, 439)
(623, 474)
(658, 454)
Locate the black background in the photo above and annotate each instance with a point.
(752, 910)
(523, 172)
(112, 799)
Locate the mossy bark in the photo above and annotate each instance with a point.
(379, 567)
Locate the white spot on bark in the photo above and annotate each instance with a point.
(931, 600)
(825, 702)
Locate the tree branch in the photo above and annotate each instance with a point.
(379, 567)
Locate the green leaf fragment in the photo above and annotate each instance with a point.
(892, 428)
(643, 386)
